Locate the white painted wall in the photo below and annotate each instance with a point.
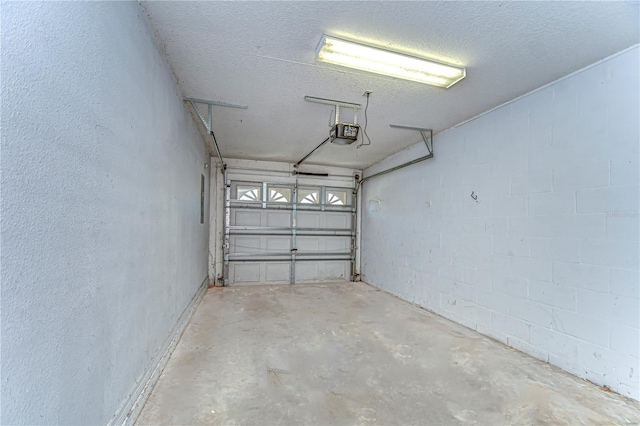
(102, 246)
(546, 259)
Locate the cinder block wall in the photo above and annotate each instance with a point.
(102, 246)
(546, 258)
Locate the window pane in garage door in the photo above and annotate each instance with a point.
(279, 194)
(308, 196)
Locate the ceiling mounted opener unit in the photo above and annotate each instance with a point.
(341, 133)
(344, 134)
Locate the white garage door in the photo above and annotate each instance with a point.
(286, 233)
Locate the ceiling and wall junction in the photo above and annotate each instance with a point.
(263, 54)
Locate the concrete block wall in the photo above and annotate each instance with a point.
(102, 245)
(546, 258)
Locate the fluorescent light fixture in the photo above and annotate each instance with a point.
(372, 59)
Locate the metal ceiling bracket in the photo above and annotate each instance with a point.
(207, 122)
(332, 102)
(427, 135)
(337, 105)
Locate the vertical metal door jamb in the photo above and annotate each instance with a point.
(227, 224)
(294, 224)
(264, 195)
(354, 218)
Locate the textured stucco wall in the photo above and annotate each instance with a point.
(102, 246)
(546, 258)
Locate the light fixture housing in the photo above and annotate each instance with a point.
(360, 56)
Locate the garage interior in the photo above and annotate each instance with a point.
(206, 220)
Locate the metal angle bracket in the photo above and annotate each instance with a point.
(337, 105)
(207, 121)
(427, 135)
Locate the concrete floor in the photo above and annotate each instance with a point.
(350, 354)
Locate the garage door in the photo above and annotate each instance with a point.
(288, 233)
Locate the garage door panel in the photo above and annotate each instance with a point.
(246, 272)
(322, 271)
(261, 233)
(251, 230)
(337, 244)
(307, 271)
(332, 220)
(336, 271)
(323, 244)
(278, 244)
(250, 244)
(277, 272)
(308, 244)
(340, 220)
(255, 244)
(252, 273)
(308, 220)
(245, 218)
(278, 219)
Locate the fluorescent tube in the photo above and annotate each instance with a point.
(372, 59)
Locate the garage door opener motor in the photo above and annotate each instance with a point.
(341, 133)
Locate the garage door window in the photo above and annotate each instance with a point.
(248, 193)
(336, 198)
(309, 196)
(279, 195)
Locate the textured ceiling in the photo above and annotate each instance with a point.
(263, 54)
